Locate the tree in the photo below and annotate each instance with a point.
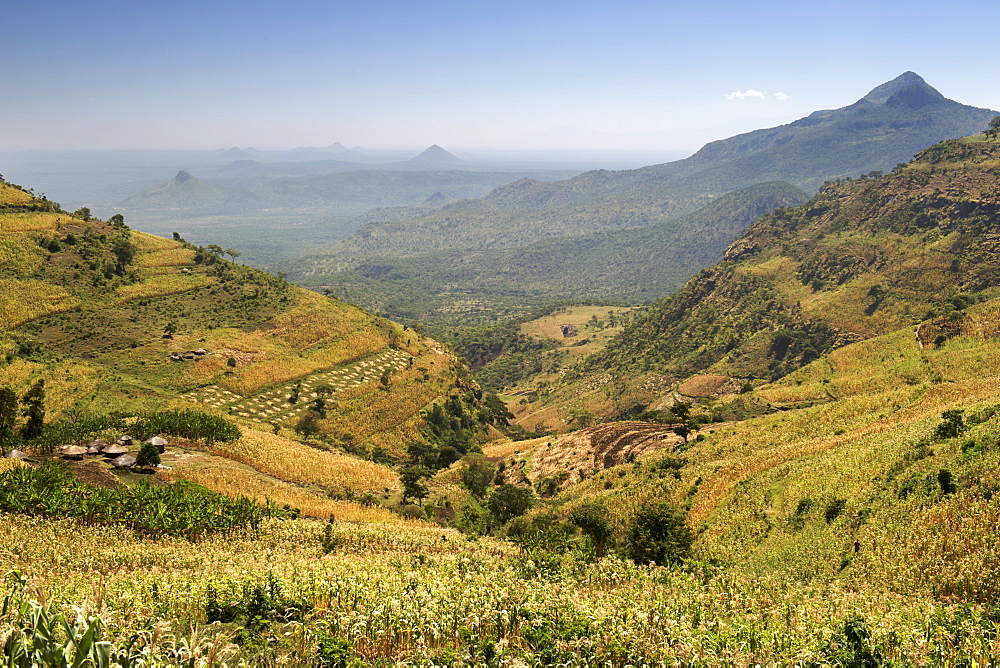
(232, 253)
(82, 213)
(477, 474)
(169, 330)
(681, 411)
(148, 455)
(215, 250)
(8, 414)
(994, 130)
(657, 534)
(594, 520)
(412, 477)
(34, 409)
(510, 501)
(952, 425)
(117, 221)
(308, 424)
(683, 430)
(319, 406)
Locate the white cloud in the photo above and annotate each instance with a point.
(742, 95)
(782, 96)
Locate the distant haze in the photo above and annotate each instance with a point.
(580, 76)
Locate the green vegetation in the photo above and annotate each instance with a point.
(863, 257)
(182, 509)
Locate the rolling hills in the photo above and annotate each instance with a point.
(115, 323)
(550, 239)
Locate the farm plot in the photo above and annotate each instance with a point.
(291, 399)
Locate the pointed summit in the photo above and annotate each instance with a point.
(436, 154)
(908, 89)
(183, 177)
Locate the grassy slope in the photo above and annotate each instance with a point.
(95, 333)
(862, 258)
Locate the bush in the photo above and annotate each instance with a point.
(833, 509)
(477, 474)
(510, 501)
(952, 424)
(594, 519)
(657, 534)
(149, 455)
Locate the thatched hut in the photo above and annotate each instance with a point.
(124, 461)
(114, 449)
(159, 442)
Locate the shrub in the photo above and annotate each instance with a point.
(149, 455)
(952, 424)
(657, 534)
(833, 509)
(594, 519)
(510, 501)
(477, 474)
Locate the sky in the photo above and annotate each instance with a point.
(581, 75)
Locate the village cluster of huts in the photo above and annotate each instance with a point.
(117, 452)
(189, 355)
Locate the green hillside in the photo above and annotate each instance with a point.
(632, 265)
(862, 258)
(111, 323)
(566, 239)
(839, 508)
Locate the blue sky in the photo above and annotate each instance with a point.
(545, 74)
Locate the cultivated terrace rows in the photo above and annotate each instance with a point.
(275, 404)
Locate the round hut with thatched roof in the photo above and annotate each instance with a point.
(114, 449)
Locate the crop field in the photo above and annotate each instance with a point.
(292, 461)
(393, 594)
(160, 285)
(25, 300)
(274, 405)
(32, 222)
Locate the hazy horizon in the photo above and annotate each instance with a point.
(582, 76)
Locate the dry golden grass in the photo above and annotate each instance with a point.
(18, 373)
(174, 257)
(20, 257)
(292, 461)
(510, 448)
(11, 195)
(234, 480)
(550, 326)
(31, 221)
(8, 464)
(147, 243)
(158, 286)
(284, 364)
(24, 300)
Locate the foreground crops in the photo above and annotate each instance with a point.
(386, 596)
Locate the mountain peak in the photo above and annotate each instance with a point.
(183, 177)
(907, 88)
(436, 154)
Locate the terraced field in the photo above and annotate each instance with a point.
(274, 404)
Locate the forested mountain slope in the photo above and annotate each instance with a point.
(862, 258)
(497, 233)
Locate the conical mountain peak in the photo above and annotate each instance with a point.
(907, 84)
(436, 154)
